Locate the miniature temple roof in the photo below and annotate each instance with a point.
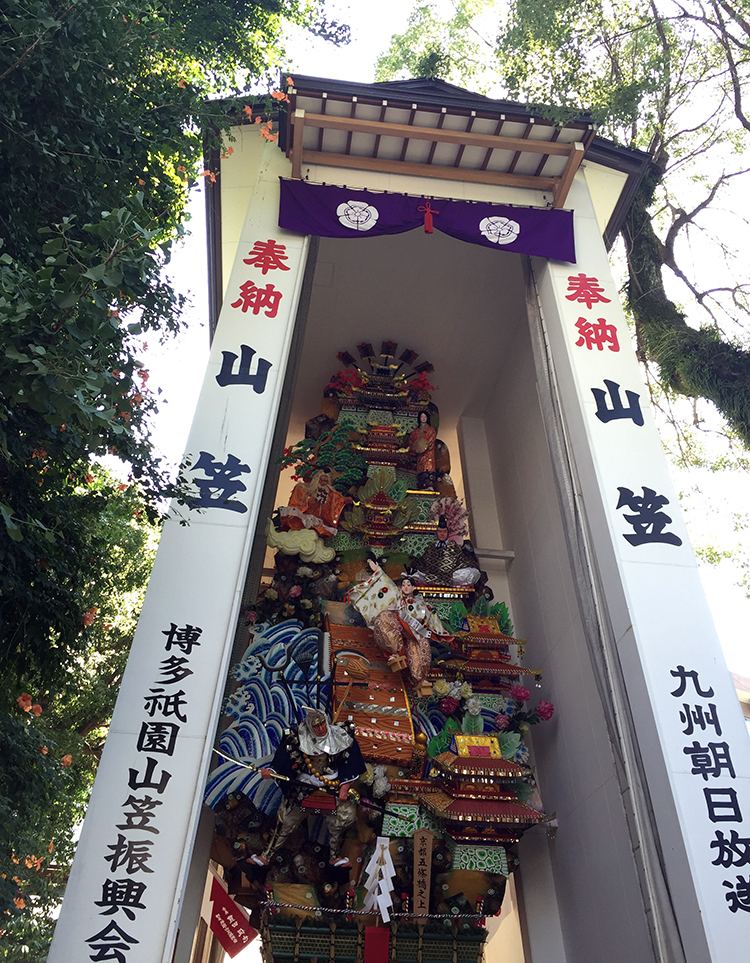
(485, 809)
(498, 768)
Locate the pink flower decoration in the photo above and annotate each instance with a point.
(545, 710)
(448, 705)
(501, 721)
(520, 692)
(296, 591)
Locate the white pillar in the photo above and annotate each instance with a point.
(688, 724)
(125, 889)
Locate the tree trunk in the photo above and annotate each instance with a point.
(692, 362)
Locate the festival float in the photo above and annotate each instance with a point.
(375, 776)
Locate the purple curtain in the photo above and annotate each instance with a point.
(339, 212)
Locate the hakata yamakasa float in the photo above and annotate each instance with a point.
(429, 675)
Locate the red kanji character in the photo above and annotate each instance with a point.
(597, 334)
(268, 256)
(585, 290)
(258, 298)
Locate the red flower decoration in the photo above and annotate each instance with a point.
(545, 710)
(501, 721)
(448, 705)
(520, 692)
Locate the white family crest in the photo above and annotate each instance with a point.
(500, 230)
(357, 215)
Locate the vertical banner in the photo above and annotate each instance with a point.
(124, 894)
(423, 839)
(687, 718)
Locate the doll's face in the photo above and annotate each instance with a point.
(423, 419)
(320, 728)
(324, 480)
(407, 587)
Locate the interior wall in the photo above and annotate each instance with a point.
(595, 881)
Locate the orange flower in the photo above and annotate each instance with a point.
(230, 150)
(181, 169)
(279, 95)
(51, 845)
(141, 181)
(24, 701)
(289, 82)
(39, 453)
(88, 478)
(121, 487)
(181, 84)
(66, 761)
(257, 120)
(89, 615)
(20, 902)
(37, 710)
(44, 750)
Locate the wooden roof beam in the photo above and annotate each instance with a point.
(563, 183)
(429, 170)
(490, 141)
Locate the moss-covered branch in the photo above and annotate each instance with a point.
(694, 362)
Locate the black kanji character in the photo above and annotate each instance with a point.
(168, 703)
(649, 523)
(243, 377)
(174, 669)
(699, 718)
(148, 779)
(709, 760)
(111, 944)
(140, 815)
(131, 854)
(124, 894)
(216, 491)
(683, 675)
(739, 895)
(618, 410)
(722, 806)
(734, 851)
(184, 638)
(158, 737)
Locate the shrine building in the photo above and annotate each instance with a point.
(409, 256)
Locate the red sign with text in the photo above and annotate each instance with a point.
(228, 922)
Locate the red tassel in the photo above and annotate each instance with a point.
(426, 208)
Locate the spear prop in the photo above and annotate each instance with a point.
(248, 765)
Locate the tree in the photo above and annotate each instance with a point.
(52, 727)
(669, 78)
(106, 111)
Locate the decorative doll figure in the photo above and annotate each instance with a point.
(422, 446)
(315, 755)
(399, 617)
(314, 504)
(446, 563)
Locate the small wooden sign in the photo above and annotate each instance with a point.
(423, 840)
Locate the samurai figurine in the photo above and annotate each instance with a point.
(317, 755)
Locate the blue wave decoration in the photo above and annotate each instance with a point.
(262, 706)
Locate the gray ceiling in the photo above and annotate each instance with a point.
(454, 303)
